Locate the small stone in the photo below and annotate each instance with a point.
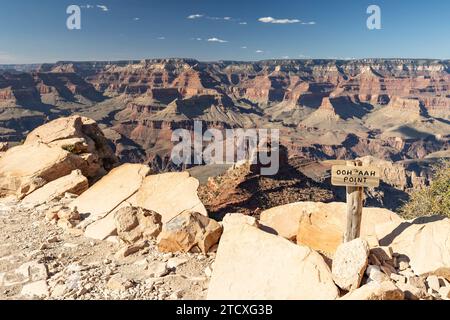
(53, 239)
(141, 262)
(157, 269)
(69, 214)
(65, 224)
(407, 273)
(35, 289)
(376, 291)
(167, 256)
(444, 292)
(118, 283)
(433, 283)
(418, 282)
(208, 271)
(398, 278)
(349, 263)
(382, 253)
(70, 245)
(59, 290)
(113, 239)
(174, 263)
(75, 232)
(51, 215)
(176, 295)
(129, 250)
(33, 270)
(388, 269)
(373, 260)
(372, 241)
(189, 232)
(82, 291)
(411, 292)
(374, 273)
(403, 262)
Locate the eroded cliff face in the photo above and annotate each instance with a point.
(394, 109)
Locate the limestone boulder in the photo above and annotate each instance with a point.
(109, 192)
(74, 183)
(101, 229)
(169, 194)
(322, 225)
(187, 231)
(376, 291)
(25, 168)
(252, 264)
(425, 242)
(349, 264)
(284, 220)
(233, 219)
(53, 151)
(80, 136)
(135, 224)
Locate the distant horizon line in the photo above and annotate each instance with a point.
(223, 60)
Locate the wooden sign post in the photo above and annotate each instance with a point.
(354, 177)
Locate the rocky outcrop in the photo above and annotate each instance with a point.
(58, 148)
(80, 136)
(308, 98)
(21, 174)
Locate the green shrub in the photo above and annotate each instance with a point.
(432, 200)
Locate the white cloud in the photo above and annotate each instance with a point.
(244, 47)
(259, 51)
(309, 23)
(285, 57)
(195, 16)
(278, 21)
(243, 23)
(161, 38)
(102, 7)
(213, 18)
(216, 40)
(136, 19)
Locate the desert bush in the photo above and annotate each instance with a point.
(431, 200)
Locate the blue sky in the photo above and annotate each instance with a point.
(35, 31)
